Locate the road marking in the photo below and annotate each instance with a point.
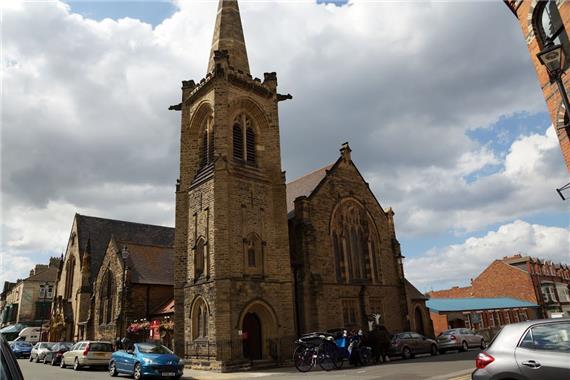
(466, 377)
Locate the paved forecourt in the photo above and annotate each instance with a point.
(451, 366)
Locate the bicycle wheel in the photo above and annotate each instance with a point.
(303, 358)
(327, 354)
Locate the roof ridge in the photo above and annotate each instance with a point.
(143, 245)
(124, 221)
(328, 166)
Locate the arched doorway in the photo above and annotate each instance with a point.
(419, 321)
(252, 342)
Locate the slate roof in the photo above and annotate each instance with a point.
(99, 231)
(469, 304)
(150, 264)
(48, 274)
(304, 186)
(413, 293)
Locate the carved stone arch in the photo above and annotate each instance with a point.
(260, 333)
(254, 255)
(533, 22)
(199, 318)
(254, 110)
(252, 305)
(203, 110)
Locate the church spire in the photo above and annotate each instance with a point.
(228, 35)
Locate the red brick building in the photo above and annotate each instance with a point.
(544, 24)
(524, 278)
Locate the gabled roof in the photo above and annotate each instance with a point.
(99, 232)
(150, 264)
(304, 186)
(413, 293)
(470, 304)
(48, 274)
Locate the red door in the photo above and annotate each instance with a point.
(252, 337)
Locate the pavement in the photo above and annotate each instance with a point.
(450, 366)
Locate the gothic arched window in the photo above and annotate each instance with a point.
(207, 143)
(200, 259)
(253, 254)
(69, 274)
(354, 243)
(243, 131)
(200, 319)
(107, 292)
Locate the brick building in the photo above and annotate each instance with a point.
(485, 315)
(28, 301)
(521, 277)
(543, 24)
(258, 261)
(74, 310)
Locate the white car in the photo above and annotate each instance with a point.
(40, 350)
(87, 353)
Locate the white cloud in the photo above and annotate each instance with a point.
(455, 264)
(86, 126)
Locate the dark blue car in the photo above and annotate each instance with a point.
(146, 359)
(21, 349)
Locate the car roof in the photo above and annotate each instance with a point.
(510, 335)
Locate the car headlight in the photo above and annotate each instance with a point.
(147, 361)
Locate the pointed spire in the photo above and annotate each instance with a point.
(228, 35)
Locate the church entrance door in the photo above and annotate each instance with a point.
(419, 321)
(252, 343)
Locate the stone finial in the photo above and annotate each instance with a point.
(345, 152)
(228, 36)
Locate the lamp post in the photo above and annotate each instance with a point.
(125, 256)
(553, 58)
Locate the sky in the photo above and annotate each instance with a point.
(438, 100)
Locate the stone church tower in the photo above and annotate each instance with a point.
(233, 283)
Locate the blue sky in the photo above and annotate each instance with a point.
(466, 157)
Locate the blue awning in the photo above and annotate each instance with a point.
(471, 304)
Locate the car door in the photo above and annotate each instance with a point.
(544, 352)
(468, 336)
(417, 343)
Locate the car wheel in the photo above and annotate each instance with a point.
(483, 344)
(76, 365)
(464, 346)
(113, 369)
(406, 353)
(137, 373)
(434, 350)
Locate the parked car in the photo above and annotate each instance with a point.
(460, 339)
(39, 351)
(531, 350)
(9, 368)
(53, 357)
(408, 344)
(87, 353)
(146, 359)
(21, 349)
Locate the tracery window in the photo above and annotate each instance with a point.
(207, 142)
(243, 130)
(107, 295)
(200, 319)
(354, 241)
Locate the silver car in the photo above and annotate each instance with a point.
(40, 350)
(87, 353)
(459, 339)
(531, 350)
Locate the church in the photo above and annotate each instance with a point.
(259, 261)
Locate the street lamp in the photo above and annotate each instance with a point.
(125, 256)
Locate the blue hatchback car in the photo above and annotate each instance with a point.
(146, 359)
(21, 349)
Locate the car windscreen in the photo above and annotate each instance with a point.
(101, 347)
(147, 348)
(450, 332)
